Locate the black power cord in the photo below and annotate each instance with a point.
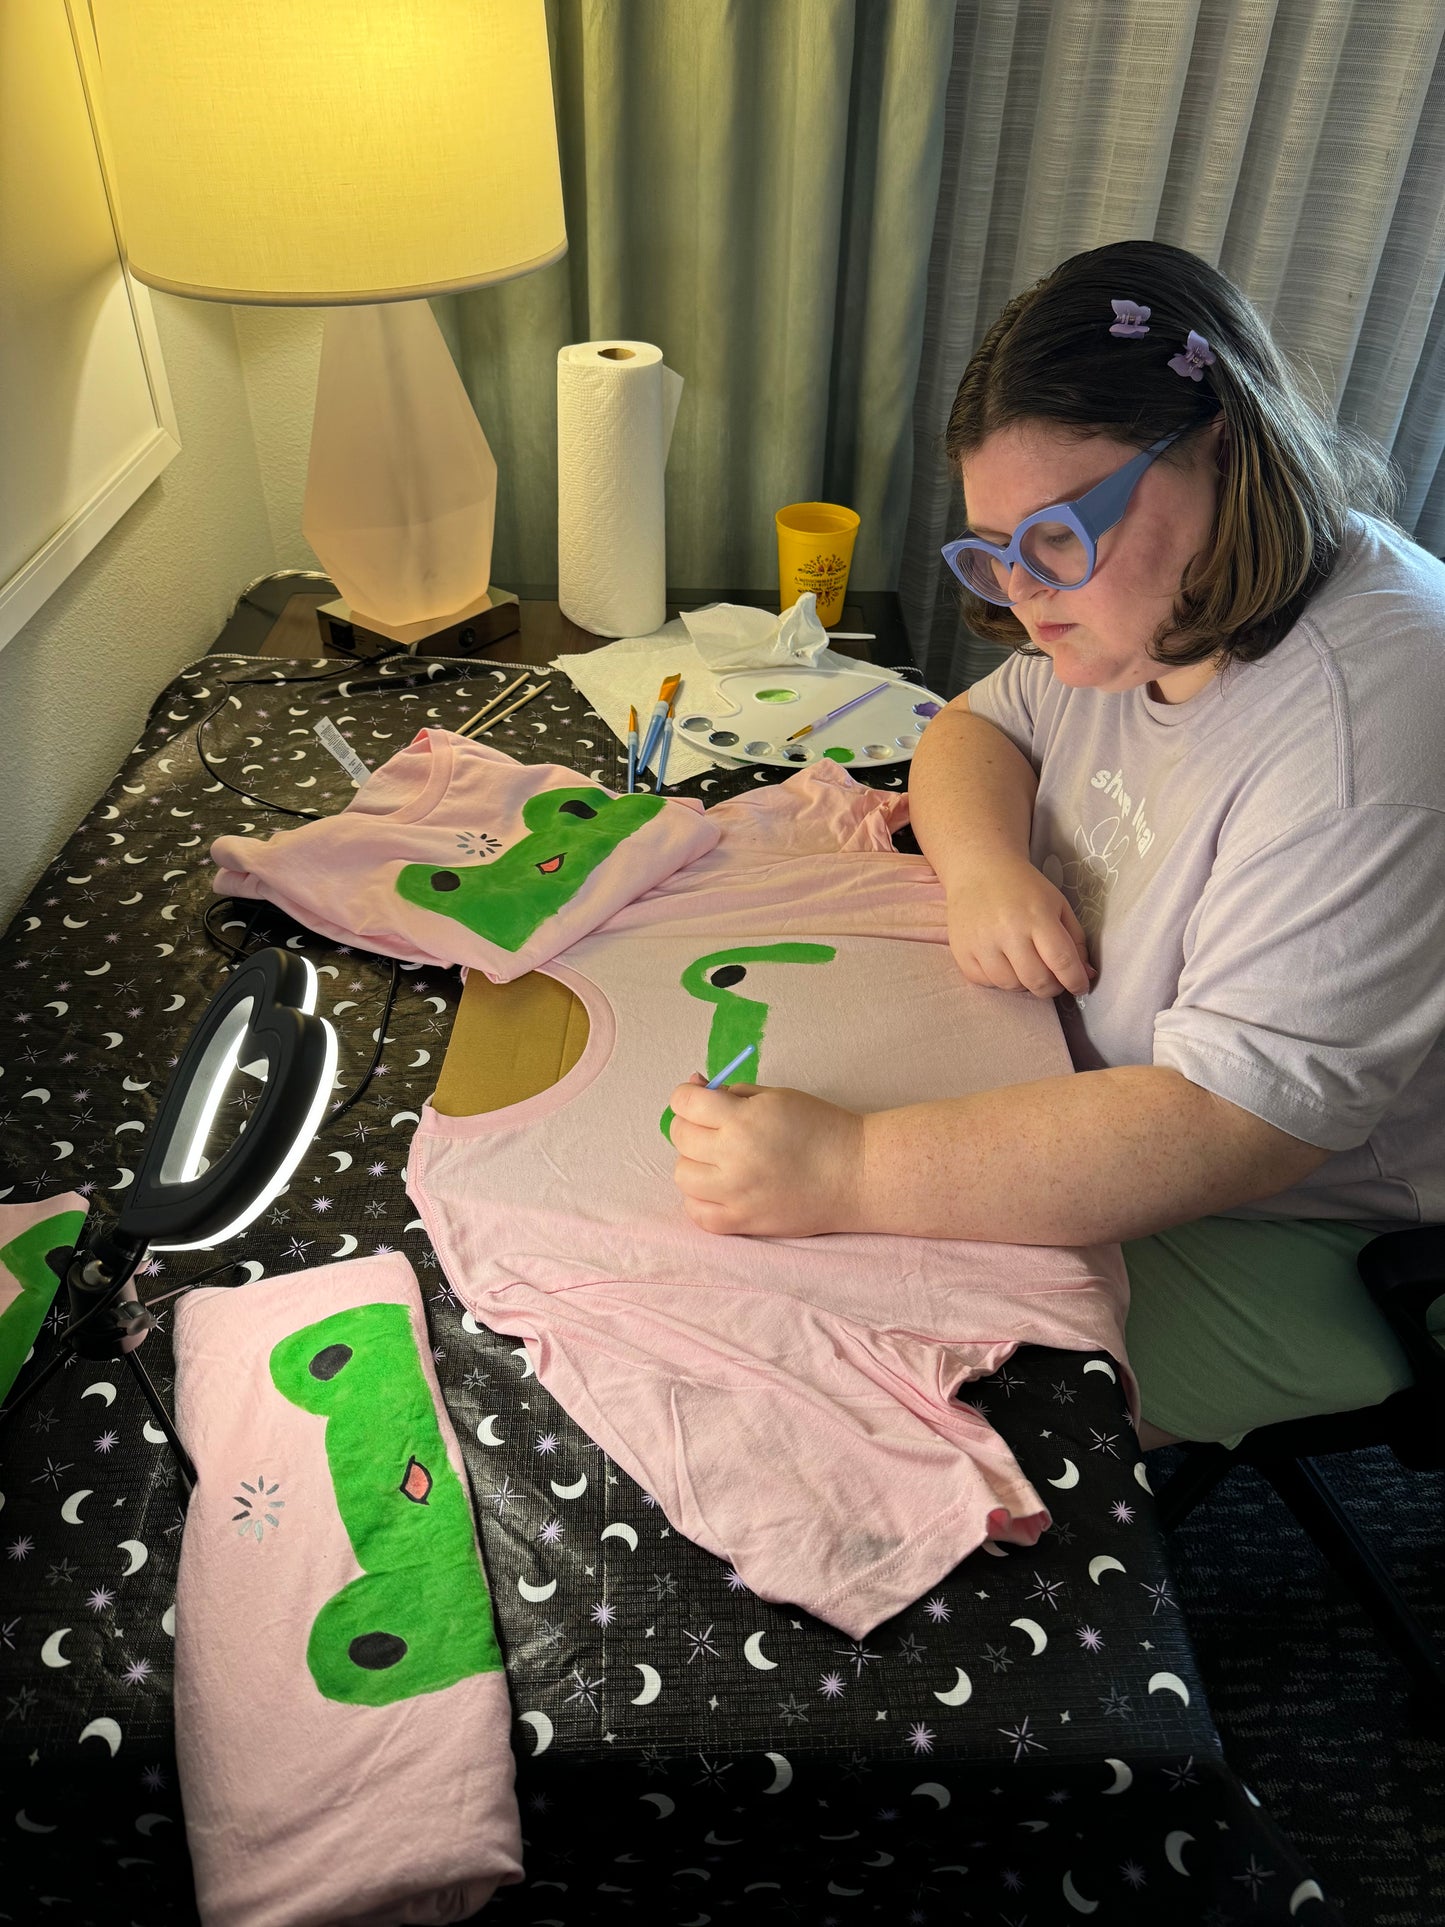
(340, 1110)
(359, 686)
(256, 682)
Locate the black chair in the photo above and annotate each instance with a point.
(1404, 1273)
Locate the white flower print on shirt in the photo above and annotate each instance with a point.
(1087, 881)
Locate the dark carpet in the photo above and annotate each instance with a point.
(1314, 1710)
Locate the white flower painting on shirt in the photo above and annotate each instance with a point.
(1087, 881)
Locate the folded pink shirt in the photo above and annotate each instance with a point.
(342, 1719)
(455, 853)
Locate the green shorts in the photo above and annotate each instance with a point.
(1241, 1322)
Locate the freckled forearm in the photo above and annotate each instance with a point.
(970, 796)
(1089, 1158)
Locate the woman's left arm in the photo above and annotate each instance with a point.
(1091, 1158)
(1087, 1158)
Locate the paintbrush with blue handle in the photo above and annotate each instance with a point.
(661, 710)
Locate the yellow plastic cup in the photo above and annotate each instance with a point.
(815, 551)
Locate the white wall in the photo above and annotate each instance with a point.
(77, 681)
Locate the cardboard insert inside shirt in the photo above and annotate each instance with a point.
(508, 1042)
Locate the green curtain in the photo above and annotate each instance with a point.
(751, 185)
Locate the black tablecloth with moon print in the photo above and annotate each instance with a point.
(1028, 1744)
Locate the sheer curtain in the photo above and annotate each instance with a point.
(1297, 144)
(750, 184)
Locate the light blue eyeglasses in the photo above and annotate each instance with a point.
(1057, 545)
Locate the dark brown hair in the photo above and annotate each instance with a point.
(1291, 472)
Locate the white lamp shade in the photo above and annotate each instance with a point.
(319, 151)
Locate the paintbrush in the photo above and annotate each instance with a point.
(841, 710)
(716, 1083)
(661, 710)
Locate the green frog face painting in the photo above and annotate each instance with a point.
(418, 1618)
(570, 832)
(737, 1020)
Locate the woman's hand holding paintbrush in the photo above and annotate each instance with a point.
(766, 1162)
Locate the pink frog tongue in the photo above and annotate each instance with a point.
(553, 863)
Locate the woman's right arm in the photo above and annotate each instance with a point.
(971, 800)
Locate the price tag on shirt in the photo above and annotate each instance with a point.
(332, 739)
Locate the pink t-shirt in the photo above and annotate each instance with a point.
(789, 1402)
(455, 853)
(342, 1717)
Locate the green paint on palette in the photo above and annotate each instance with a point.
(775, 695)
(839, 755)
(419, 1618)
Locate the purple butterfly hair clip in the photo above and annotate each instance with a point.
(1195, 358)
(1130, 319)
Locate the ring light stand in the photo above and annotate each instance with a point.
(182, 1202)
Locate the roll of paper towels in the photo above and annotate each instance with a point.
(616, 405)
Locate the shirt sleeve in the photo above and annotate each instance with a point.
(1006, 697)
(1312, 988)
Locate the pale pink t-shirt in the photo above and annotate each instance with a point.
(455, 853)
(308, 1797)
(789, 1402)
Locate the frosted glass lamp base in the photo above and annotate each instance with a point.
(401, 489)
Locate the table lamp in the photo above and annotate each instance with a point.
(358, 155)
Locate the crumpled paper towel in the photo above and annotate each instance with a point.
(701, 646)
(730, 635)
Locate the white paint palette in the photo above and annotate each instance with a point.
(754, 712)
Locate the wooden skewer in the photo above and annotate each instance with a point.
(492, 702)
(502, 714)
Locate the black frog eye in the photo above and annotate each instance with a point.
(574, 808)
(326, 1364)
(726, 975)
(445, 880)
(377, 1651)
